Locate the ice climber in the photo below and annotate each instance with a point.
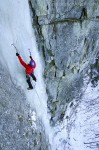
(29, 69)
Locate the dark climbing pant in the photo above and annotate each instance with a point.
(29, 81)
(33, 77)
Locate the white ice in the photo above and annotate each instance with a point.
(16, 27)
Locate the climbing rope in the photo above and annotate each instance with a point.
(35, 88)
(40, 100)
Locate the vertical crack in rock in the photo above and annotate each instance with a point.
(38, 29)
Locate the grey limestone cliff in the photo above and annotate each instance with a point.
(67, 33)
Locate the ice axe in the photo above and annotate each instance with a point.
(29, 51)
(15, 47)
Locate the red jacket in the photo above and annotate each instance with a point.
(28, 68)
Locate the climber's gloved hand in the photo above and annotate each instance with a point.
(17, 54)
(30, 56)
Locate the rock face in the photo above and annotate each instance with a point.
(67, 33)
(19, 128)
